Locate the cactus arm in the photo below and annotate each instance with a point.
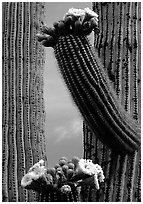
(77, 62)
(84, 74)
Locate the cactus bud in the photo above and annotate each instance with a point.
(62, 162)
(71, 165)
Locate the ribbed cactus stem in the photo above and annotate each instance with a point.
(120, 38)
(17, 139)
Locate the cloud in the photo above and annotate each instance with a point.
(70, 130)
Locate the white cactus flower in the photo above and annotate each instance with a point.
(26, 180)
(88, 167)
(90, 12)
(34, 173)
(37, 165)
(76, 12)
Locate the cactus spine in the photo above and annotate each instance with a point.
(20, 150)
(119, 48)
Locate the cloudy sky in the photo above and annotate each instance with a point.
(63, 121)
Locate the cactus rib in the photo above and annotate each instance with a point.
(19, 134)
(33, 68)
(121, 179)
(26, 84)
(135, 62)
(12, 157)
(5, 112)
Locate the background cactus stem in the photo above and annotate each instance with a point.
(20, 48)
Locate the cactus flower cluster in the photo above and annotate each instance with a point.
(63, 176)
(76, 21)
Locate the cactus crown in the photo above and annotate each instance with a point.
(76, 22)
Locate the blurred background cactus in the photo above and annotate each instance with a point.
(23, 141)
(119, 47)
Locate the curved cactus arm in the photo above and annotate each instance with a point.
(88, 83)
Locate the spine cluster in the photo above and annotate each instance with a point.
(21, 146)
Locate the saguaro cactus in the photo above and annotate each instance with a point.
(23, 107)
(119, 47)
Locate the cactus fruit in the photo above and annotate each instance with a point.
(88, 82)
(20, 148)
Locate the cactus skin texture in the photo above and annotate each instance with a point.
(21, 147)
(119, 48)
